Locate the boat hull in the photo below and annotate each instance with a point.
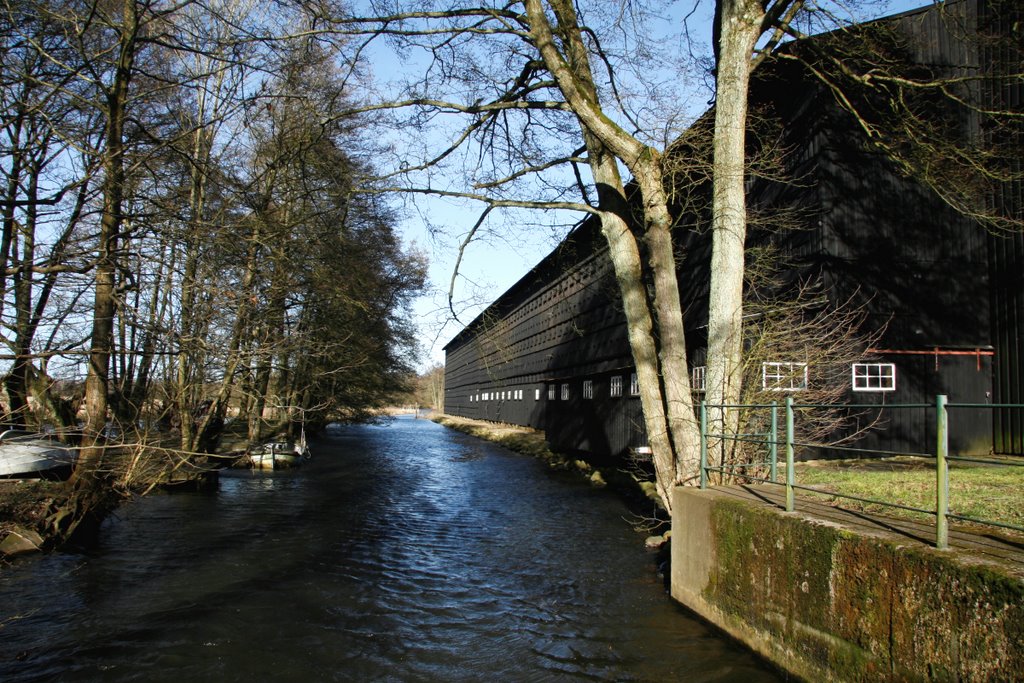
(277, 456)
(30, 456)
(274, 461)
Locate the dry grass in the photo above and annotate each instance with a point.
(519, 439)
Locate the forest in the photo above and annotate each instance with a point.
(190, 235)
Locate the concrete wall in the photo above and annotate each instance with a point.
(826, 604)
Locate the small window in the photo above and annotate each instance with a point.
(634, 385)
(536, 394)
(588, 389)
(551, 392)
(615, 388)
(699, 380)
(874, 376)
(485, 395)
(565, 392)
(783, 376)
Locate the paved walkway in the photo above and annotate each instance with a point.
(987, 545)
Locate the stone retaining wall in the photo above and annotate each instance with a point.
(827, 604)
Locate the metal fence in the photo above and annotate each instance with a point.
(772, 440)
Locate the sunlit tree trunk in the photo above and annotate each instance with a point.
(661, 366)
(740, 28)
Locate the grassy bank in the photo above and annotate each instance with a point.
(515, 438)
(982, 491)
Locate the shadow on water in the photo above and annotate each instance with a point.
(403, 552)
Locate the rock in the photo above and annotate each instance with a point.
(650, 490)
(653, 542)
(582, 465)
(596, 479)
(21, 541)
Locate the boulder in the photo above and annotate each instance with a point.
(21, 541)
(654, 542)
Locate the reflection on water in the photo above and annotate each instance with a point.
(404, 552)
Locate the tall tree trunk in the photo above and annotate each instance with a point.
(14, 382)
(662, 372)
(19, 380)
(97, 381)
(188, 363)
(674, 364)
(740, 28)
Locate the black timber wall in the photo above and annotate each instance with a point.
(525, 360)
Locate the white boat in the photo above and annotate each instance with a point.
(278, 455)
(26, 454)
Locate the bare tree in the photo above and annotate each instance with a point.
(559, 72)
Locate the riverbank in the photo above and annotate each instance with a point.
(42, 514)
(24, 504)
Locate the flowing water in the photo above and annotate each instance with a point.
(401, 552)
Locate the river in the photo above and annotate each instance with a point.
(401, 552)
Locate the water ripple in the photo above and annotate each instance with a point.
(403, 552)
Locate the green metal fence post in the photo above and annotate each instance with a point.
(773, 445)
(703, 444)
(790, 475)
(941, 473)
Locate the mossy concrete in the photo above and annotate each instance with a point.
(828, 604)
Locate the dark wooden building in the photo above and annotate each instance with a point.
(552, 351)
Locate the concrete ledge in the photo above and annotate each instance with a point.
(826, 603)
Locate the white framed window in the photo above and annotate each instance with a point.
(588, 389)
(781, 376)
(615, 387)
(565, 392)
(536, 394)
(698, 379)
(873, 376)
(551, 392)
(519, 394)
(634, 385)
(485, 396)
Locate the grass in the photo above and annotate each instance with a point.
(981, 491)
(515, 438)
